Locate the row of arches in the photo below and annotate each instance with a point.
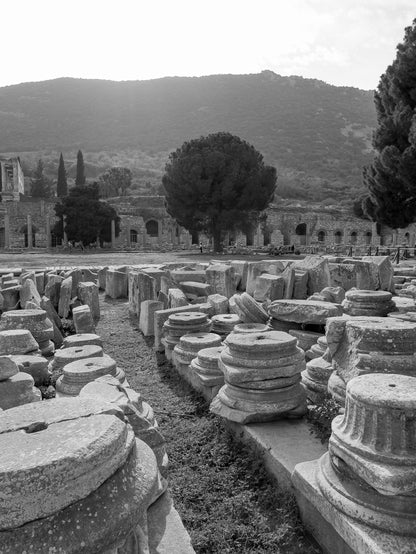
(337, 237)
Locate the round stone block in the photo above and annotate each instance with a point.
(82, 339)
(77, 374)
(70, 459)
(35, 321)
(251, 328)
(190, 344)
(65, 356)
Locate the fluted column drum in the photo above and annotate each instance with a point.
(369, 472)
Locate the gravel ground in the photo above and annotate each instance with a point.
(227, 502)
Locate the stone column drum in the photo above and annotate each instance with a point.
(369, 472)
(262, 378)
(189, 346)
(247, 309)
(36, 321)
(180, 324)
(223, 324)
(81, 372)
(97, 479)
(376, 303)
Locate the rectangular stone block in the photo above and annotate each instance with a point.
(83, 320)
(116, 284)
(147, 316)
(240, 272)
(195, 288)
(219, 303)
(318, 272)
(269, 287)
(300, 287)
(179, 275)
(88, 294)
(343, 275)
(385, 271)
(65, 297)
(221, 278)
(177, 298)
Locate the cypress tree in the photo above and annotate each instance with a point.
(62, 185)
(80, 177)
(391, 179)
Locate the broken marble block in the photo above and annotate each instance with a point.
(82, 318)
(262, 373)
(369, 471)
(223, 324)
(247, 309)
(205, 367)
(194, 288)
(269, 287)
(385, 271)
(138, 413)
(318, 272)
(177, 298)
(189, 345)
(403, 304)
(82, 339)
(88, 294)
(315, 378)
(17, 389)
(53, 289)
(147, 316)
(29, 293)
(11, 297)
(306, 339)
(35, 321)
(182, 323)
(65, 297)
(84, 370)
(303, 311)
(18, 341)
(376, 303)
(362, 345)
(36, 366)
(219, 303)
(116, 284)
(318, 349)
(221, 277)
(84, 449)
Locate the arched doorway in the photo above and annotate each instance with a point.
(301, 232)
(133, 236)
(353, 237)
(55, 240)
(368, 237)
(321, 236)
(23, 230)
(152, 228)
(407, 239)
(250, 238)
(338, 235)
(2, 237)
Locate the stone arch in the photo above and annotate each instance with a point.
(152, 228)
(338, 236)
(133, 236)
(301, 232)
(321, 235)
(407, 238)
(250, 238)
(368, 236)
(2, 237)
(353, 237)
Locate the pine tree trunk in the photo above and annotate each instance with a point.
(217, 238)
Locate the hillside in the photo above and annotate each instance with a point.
(317, 135)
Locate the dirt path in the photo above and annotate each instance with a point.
(226, 501)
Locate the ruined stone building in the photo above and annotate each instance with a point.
(26, 222)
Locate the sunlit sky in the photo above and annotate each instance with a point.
(342, 42)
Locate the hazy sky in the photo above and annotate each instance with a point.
(342, 42)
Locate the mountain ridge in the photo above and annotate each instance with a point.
(317, 135)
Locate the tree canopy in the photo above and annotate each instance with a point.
(80, 175)
(217, 183)
(84, 217)
(62, 185)
(391, 179)
(115, 182)
(40, 186)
